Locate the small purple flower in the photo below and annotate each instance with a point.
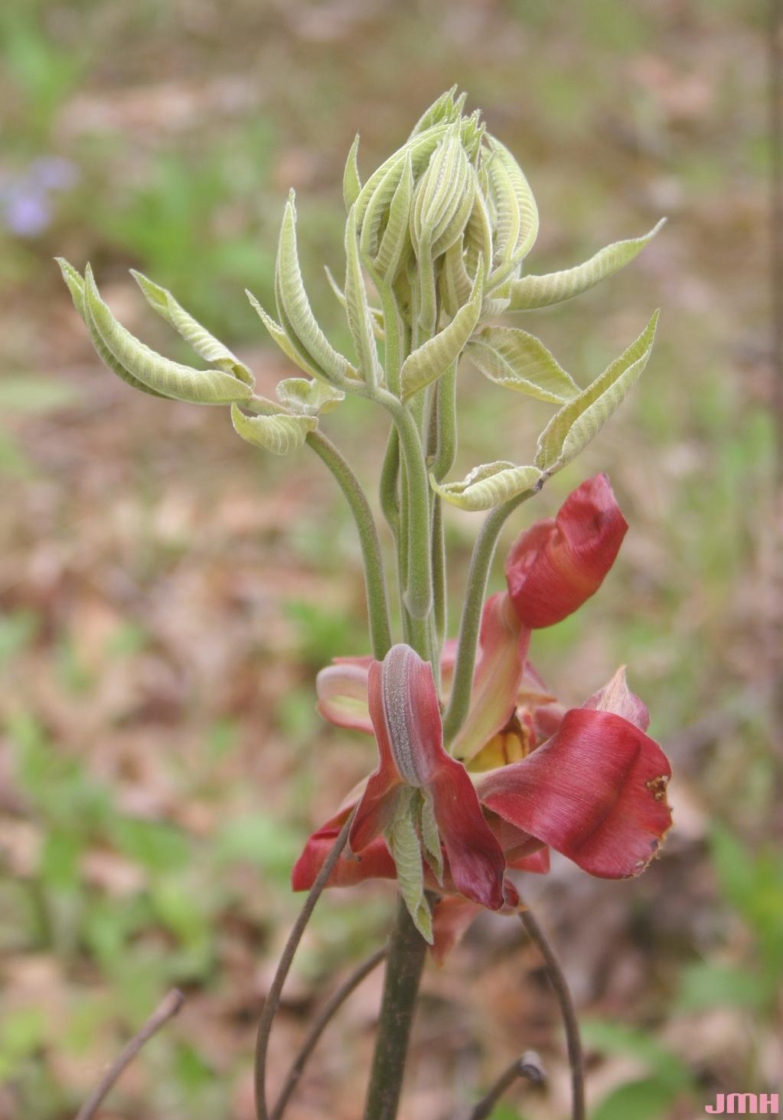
(53, 173)
(27, 215)
(25, 206)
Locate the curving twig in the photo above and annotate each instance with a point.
(570, 1022)
(319, 1024)
(529, 1066)
(272, 1001)
(165, 1010)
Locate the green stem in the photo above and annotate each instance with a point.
(470, 623)
(447, 424)
(406, 953)
(442, 450)
(439, 575)
(419, 637)
(389, 485)
(432, 412)
(393, 487)
(374, 576)
(418, 588)
(395, 337)
(403, 558)
(426, 303)
(417, 632)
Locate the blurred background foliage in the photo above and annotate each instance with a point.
(167, 595)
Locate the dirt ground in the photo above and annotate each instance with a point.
(168, 594)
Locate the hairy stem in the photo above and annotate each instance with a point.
(470, 623)
(272, 1001)
(446, 449)
(374, 575)
(405, 961)
(418, 589)
(389, 485)
(441, 452)
(570, 1022)
(396, 336)
(439, 587)
(319, 1025)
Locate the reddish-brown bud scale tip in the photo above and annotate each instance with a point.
(405, 715)
(557, 564)
(375, 861)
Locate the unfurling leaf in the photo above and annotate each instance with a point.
(137, 364)
(357, 309)
(517, 213)
(488, 486)
(339, 295)
(572, 428)
(76, 287)
(461, 261)
(279, 336)
(205, 345)
(508, 217)
(179, 382)
(478, 235)
(405, 849)
(520, 361)
(278, 434)
(430, 836)
(373, 213)
(396, 237)
(431, 360)
(442, 203)
(308, 398)
(555, 287)
(313, 349)
(444, 110)
(378, 191)
(443, 199)
(352, 184)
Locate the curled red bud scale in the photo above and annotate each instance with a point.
(557, 564)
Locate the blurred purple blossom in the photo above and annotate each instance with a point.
(26, 208)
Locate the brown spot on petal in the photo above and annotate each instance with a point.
(657, 787)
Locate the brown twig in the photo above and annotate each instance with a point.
(319, 1024)
(165, 1010)
(272, 1001)
(570, 1022)
(529, 1066)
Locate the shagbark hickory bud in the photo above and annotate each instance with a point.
(443, 199)
(450, 199)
